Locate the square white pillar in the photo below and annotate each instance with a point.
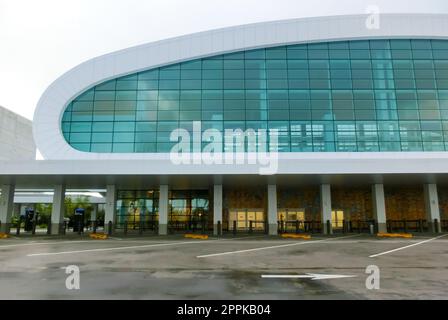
(94, 213)
(58, 209)
(6, 207)
(325, 206)
(272, 210)
(110, 207)
(163, 210)
(432, 207)
(217, 207)
(379, 207)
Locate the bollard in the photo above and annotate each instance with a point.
(405, 226)
(421, 225)
(350, 226)
(297, 226)
(234, 227)
(140, 230)
(328, 227)
(109, 229)
(436, 225)
(18, 226)
(219, 228)
(79, 228)
(359, 226)
(95, 225)
(312, 226)
(33, 230)
(250, 227)
(125, 227)
(203, 224)
(49, 228)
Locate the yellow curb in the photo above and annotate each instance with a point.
(98, 236)
(395, 235)
(4, 236)
(196, 236)
(296, 236)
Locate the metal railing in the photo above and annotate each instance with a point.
(136, 226)
(251, 227)
(444, 225)
(189, 224)
(407, 225)
(358, 226)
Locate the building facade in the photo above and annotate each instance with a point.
(16, 137)
(355, 119)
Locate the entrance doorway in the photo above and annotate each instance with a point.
(247, 220)
(189, 211)
(291, 220)
(337, 219)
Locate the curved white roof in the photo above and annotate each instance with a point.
(48, 114)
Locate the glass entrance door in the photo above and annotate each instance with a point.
(291, 219)
(337, 219)
(243, 218)
(189, 211)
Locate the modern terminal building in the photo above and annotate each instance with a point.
(343, 126)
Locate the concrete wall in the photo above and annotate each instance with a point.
(16, 137)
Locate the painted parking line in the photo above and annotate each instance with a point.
(271, 247)
(41, 244)
(406, 247)
(129, 247)
(117, 248)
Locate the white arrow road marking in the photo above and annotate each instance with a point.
(312, 276)
(407, 247)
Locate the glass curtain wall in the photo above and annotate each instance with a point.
(349, 96)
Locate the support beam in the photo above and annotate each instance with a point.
(58, 209)
(163, 210)
(272, 210)
(432, 207)
(325, 206)
(110, 207)
(94, 214)
(217, 207)
(379, 207)
(6, 207)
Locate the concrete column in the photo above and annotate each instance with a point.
(379, 207)
(58, 209)
(272, 210)
(23, 210)
(217, 207)
(163, 210)
(432, 207)
(16, 212)
(6, 207)
(110, 207)
(94, 213)
(325, 207)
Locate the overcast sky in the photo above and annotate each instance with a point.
(40, 40)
